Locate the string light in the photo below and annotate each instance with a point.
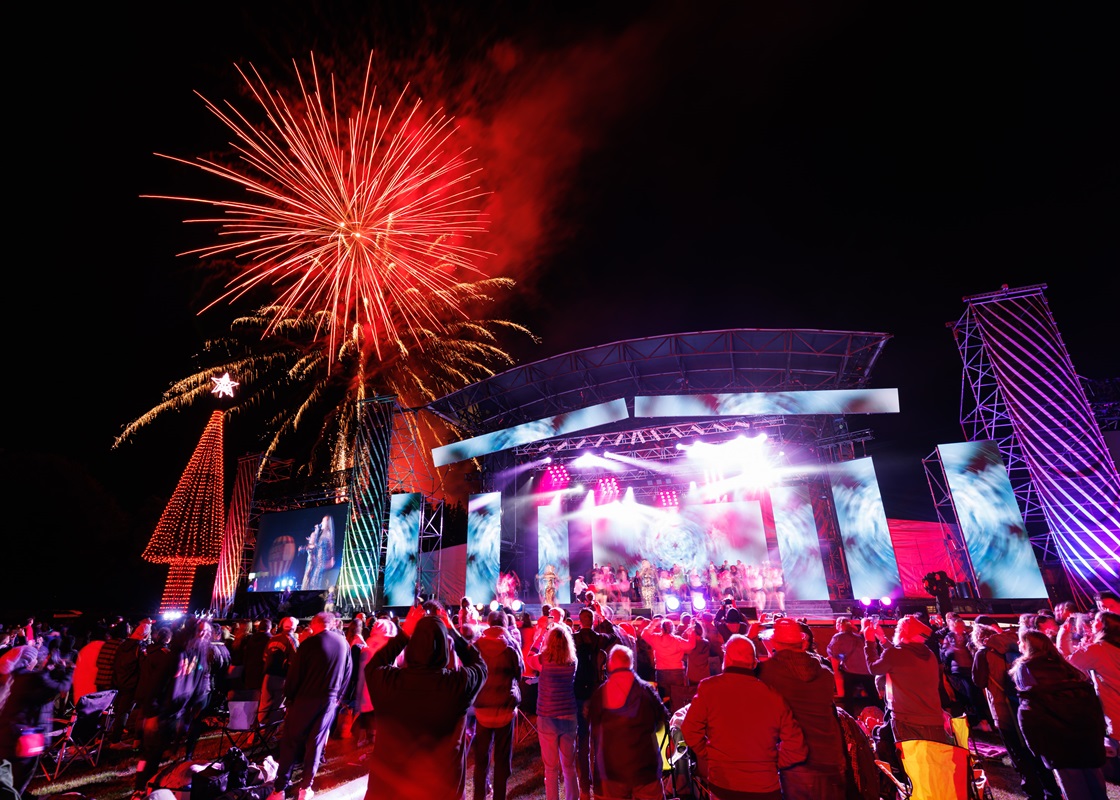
(189, 532)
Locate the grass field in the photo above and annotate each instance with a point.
(343, 775)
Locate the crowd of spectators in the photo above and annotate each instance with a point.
(440, 694)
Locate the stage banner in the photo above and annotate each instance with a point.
(484, 544)
(443, 574)
(872, 567)
(554, 584)
(798, 544)
(991, 523)
(402, 548)
(921, 548)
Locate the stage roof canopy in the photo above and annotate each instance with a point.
(705, 362)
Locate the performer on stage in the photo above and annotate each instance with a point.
(622, 588)
(773, 582)
(320, 555)
(508, 589)
(579, 588)
(697, 584)
(648, 583)
(547, 583)
(756, 591)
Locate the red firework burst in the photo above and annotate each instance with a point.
(363, 215)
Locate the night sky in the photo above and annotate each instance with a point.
(655, 168)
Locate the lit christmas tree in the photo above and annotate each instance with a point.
(189, 532)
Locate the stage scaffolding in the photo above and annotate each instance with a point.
(1019, 390)
(741, 360)
(388, 459)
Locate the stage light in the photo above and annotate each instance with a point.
(607, 490)
(865, 602)
(516, 605)
(672, 602)
(885, 601)
(495, 605)
(698, 602)
(585, 461)
(556, 478)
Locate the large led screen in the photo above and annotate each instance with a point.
(402, 548)
(299, 550)
(872, 566)
(825, 401)
(798, 543)
(553, 579)
(694, 536)
(990, 521)
(484, 543)
(535, 431)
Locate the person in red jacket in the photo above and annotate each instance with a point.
(741, 730)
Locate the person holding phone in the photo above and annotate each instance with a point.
(420, 724)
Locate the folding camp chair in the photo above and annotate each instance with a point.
(525, 726)
(527, 711)
(962, 735)
(934, 771)
(81, 736)
(241, 727)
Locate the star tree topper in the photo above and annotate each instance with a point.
(223, 386)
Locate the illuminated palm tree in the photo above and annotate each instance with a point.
(286, 370)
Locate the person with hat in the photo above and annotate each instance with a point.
(737, 758)
(810, 690)
(913, 677)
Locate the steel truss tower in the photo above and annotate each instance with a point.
(1025, 396)
(388, 459)
(233, 539)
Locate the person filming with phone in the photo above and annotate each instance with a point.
(420, 739)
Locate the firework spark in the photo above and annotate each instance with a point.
(346, 214)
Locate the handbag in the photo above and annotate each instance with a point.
(32, 742)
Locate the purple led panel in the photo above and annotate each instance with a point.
(1068, 461)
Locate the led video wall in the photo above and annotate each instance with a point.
(484, 541)
(299, 550)
(872, 567)
(535, 431)
(693, 536)
(402, 548)
(990, 521)
(826, 401)
(798, 543)
(553, 578)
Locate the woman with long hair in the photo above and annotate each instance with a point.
(1099, 655)
(1061, 717)
(555, 660)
